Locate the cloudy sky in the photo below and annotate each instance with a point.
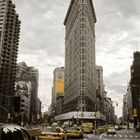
(117, 37)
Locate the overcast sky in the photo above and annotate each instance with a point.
(117, 37)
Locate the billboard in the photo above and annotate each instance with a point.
(59, 87)
(23, 88)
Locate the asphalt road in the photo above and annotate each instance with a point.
(120, 135)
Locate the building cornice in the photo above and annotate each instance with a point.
(70, 7)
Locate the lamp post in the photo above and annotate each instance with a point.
(77, 109)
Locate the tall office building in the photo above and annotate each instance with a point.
(100, 84)
(58, 90)
(58, 84)
(135, 87)
(9, 40)
(29, 74)
(80, 67)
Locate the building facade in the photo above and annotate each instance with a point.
(22, 101)
(100, 83)
(58, 90)
(9, 41)
(127, 105)
(100, 94)
(135, 88)
(30, 74)
(80, 70)
(58, 84)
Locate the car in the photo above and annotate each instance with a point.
(13, 132)
(116, 127)
(87, 127)
(74, 132)
(102, 129)
(111, 130)
(52, 133)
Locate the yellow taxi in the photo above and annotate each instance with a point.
(102, 129)
(52, 133)
(87, 127)
(74, 132)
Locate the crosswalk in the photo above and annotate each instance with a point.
(122, 134)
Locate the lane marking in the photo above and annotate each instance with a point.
(102, 135)
(125, 136)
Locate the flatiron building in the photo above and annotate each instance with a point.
(80, 66)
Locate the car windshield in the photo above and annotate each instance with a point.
(74, 128)
(52, 129)
(16, 135)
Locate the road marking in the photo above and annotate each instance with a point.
(120, 135)
(125, 136)
(115, 135)
(105, 135)
(110, 135)
(136, 136)
(130, 136)
(102, 135)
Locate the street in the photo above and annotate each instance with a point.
(120, 135)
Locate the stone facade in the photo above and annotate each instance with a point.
(80, 70)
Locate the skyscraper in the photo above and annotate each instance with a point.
(9, 40)
(100, 84)
(58, 84)
(135, 87)
(80, 69)
(29, 74)
(58, 90)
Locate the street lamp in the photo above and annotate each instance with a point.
(77, 109)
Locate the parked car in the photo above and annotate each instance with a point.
(13, 132)
(111, 130)
(52, 133)
(74, 132)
